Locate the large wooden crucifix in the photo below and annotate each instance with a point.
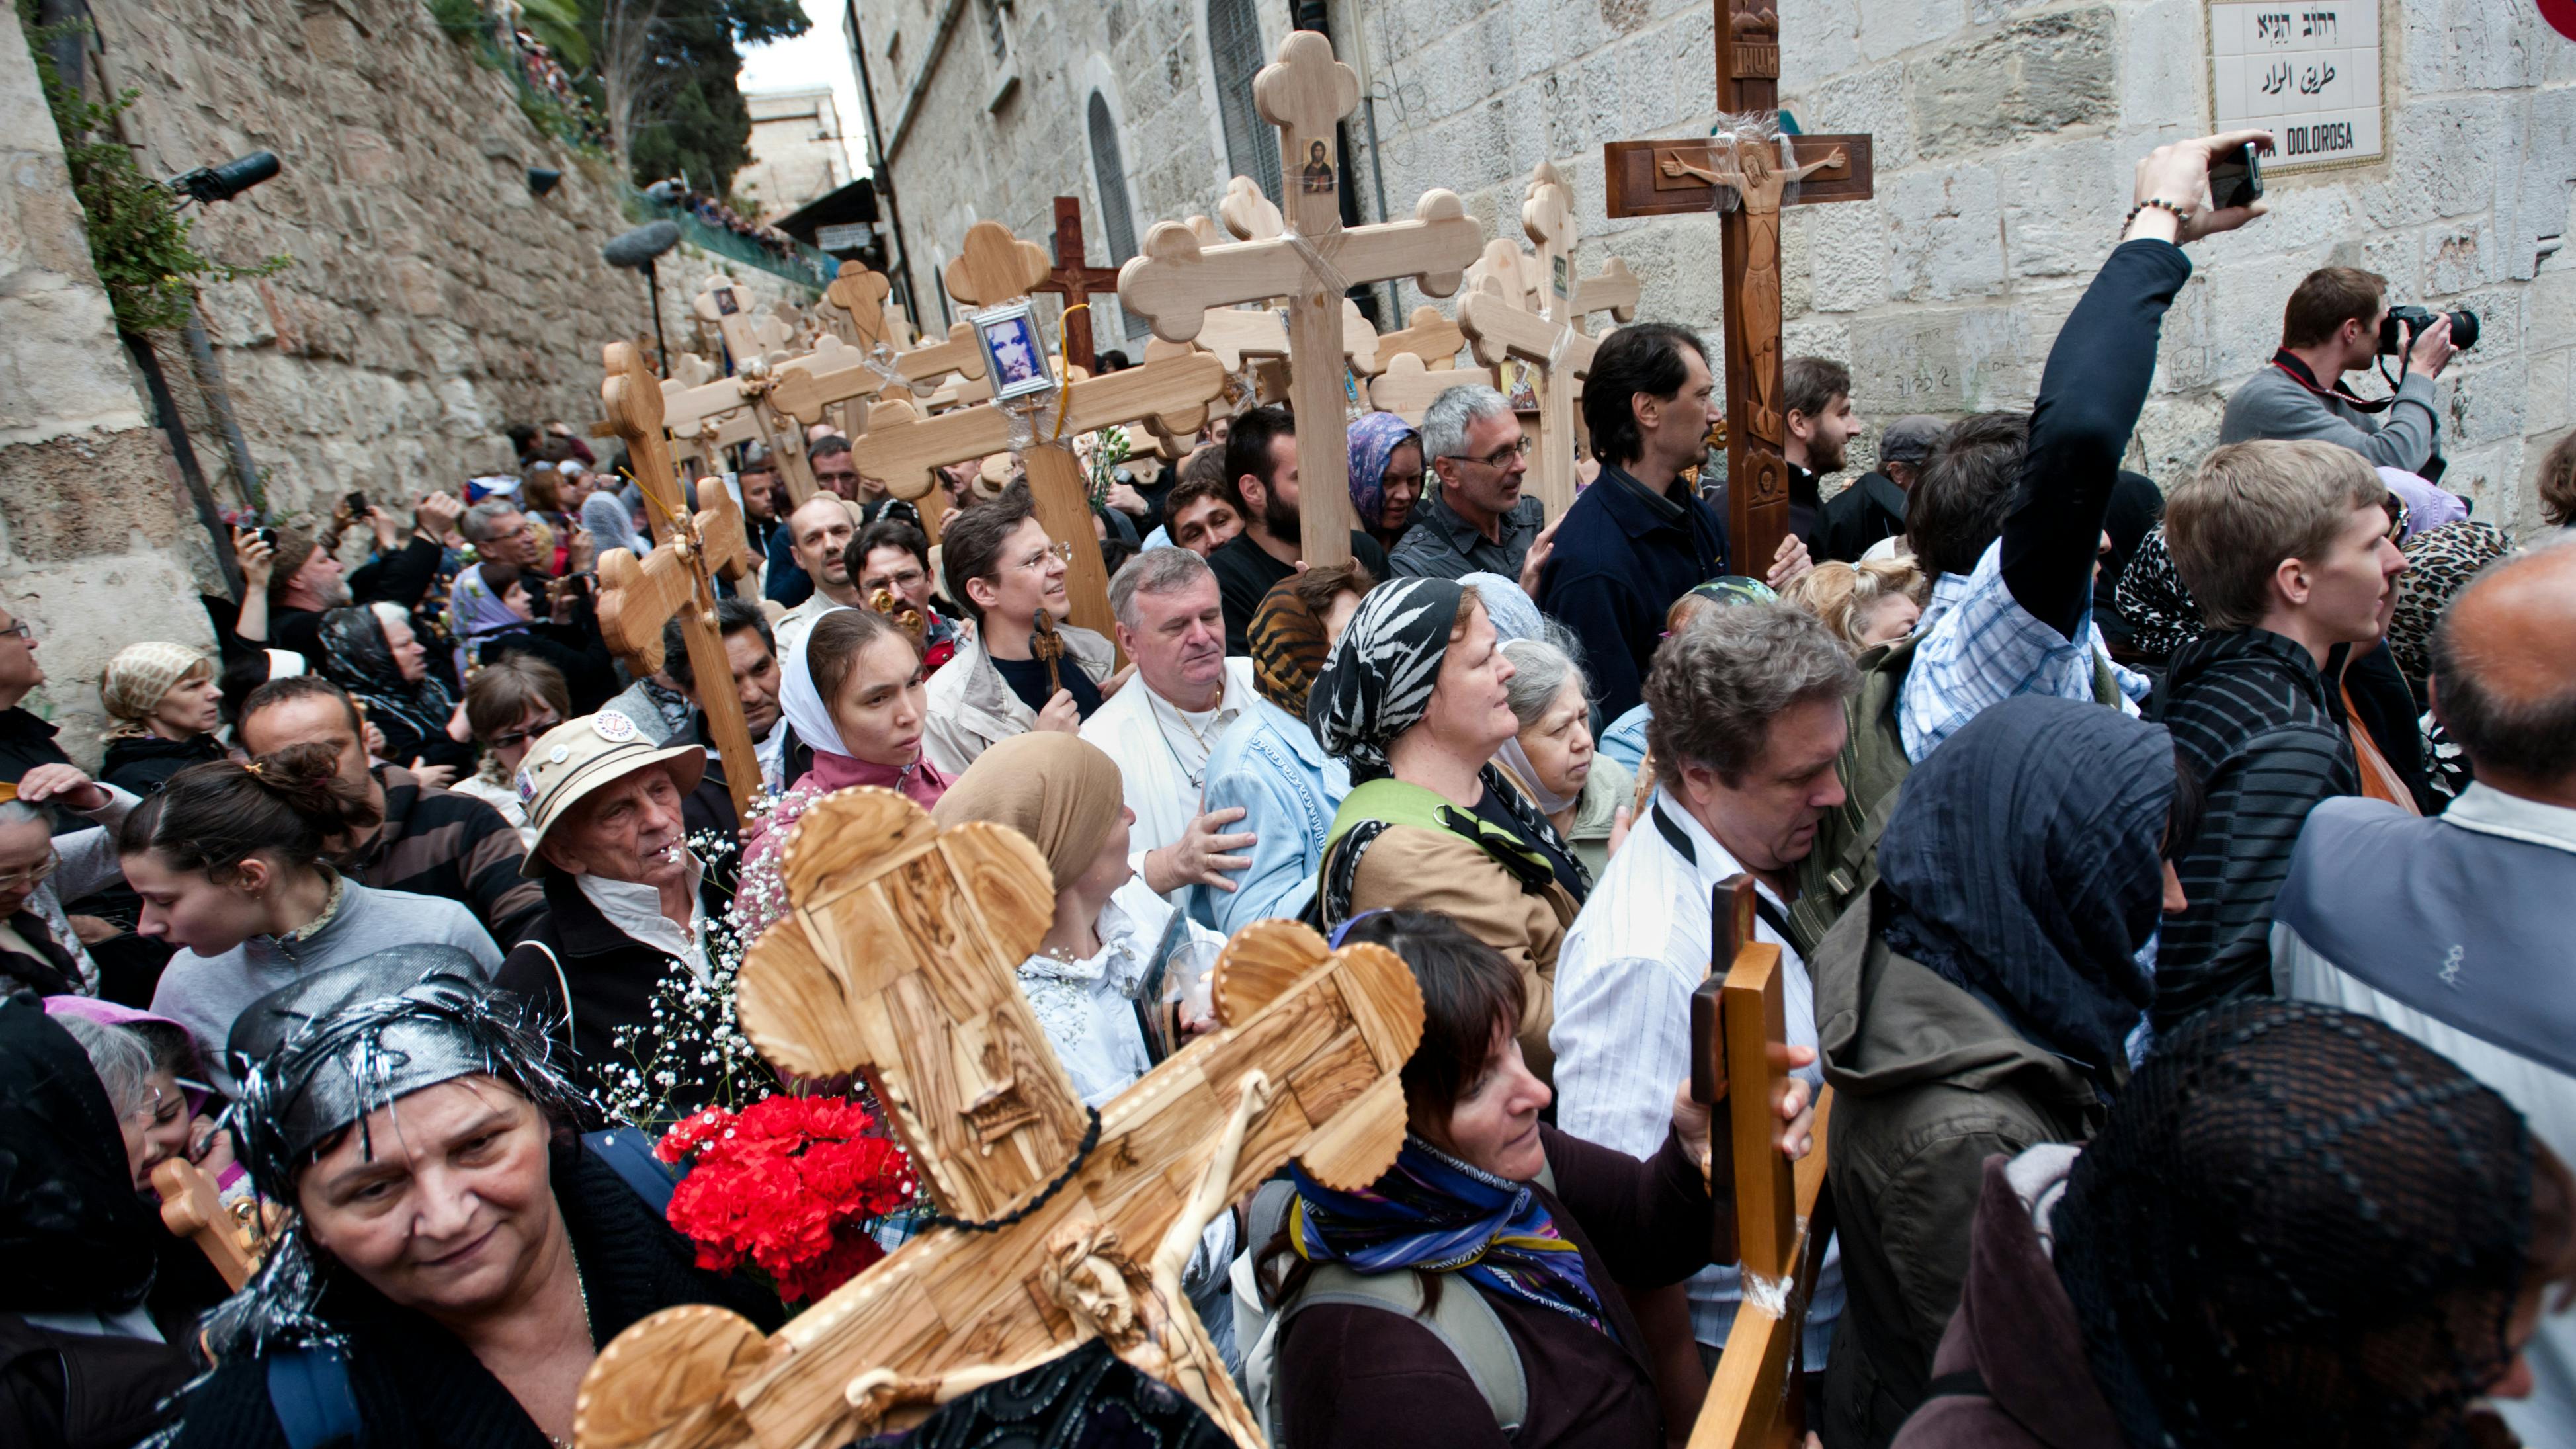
(1672, 178)
(1305, 93)
(897, 960)
(677, 579)
(1739, 1031)
(901, 449)
(1076, 283)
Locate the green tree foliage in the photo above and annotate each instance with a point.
(673, 63)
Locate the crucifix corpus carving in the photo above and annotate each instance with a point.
(1670, 178)
(897, 960)
(1305, 93)
(678, 577)
(1076, 283)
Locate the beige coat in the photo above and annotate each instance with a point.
(971, 708)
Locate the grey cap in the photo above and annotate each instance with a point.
(1910, 438)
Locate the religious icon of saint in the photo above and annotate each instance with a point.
(1012, 350)
(1318, 175)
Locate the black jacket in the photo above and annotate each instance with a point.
(1871, 509)
(1622, 556)
(145, 763)
(1245, 572)
(2253, 717)
(416, 1384)
(613, 978)
(576, 650)
(26, 742)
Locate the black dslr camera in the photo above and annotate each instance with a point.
(2398, 330)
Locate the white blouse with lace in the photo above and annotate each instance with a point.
(1088, 1007)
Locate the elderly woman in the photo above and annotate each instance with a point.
(2228, 1263)
(507, 705)
(1580, 792)
(95, 1339)
(229, 862)
(453, 1259)
(1873, 602)
(1415, 699)
(164, 708)
(371, 652)
(1986, 997)
(1386, 474)
(40, 950)
(1268, 764)
(1486, 1200)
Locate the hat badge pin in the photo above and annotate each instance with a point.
(558, 754)
(613, 727)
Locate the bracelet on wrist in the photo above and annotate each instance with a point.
(2181, 216)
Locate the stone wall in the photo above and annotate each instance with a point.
(96, 550)
(2005, 136)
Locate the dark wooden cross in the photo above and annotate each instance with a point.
(1674, 178)
(1076, 283)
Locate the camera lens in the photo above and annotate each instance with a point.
(2464, 329)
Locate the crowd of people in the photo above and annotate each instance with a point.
(2165, 874)
(676, 192)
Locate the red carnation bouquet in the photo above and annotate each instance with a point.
(793, 1185)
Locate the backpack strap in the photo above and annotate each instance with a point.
(629, 1153)
(1463, 1321)
(308, 1388)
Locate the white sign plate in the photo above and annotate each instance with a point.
(2307, 71)
(845, 238)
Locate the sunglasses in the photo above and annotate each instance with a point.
(516, 737)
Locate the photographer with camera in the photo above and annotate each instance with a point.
(2338, 321)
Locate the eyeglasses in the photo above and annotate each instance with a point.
(2396, 510)
(520, 736)
(12, 879)
(1500, 458)
(1038, 560)
(18, 629)
(903, 580)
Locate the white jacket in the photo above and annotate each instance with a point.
(972, 709)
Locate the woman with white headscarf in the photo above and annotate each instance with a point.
(163, 709)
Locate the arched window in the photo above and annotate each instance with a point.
(1251, 143)
(1109, 171)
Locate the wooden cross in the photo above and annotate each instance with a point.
(903, 450)
(897, 960)
(233, 1239)
(677, 579)
(722, 306)
(1305, 93)
(1536, 325)
(1669, 178)
(1076, 283)
(1782, 1220)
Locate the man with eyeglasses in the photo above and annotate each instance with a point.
(40, 950)
(26, 740)
(1005, 572)
(1477, 520)
(891, 555)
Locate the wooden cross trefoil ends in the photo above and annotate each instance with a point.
(897, 959)
(1678, 177)
(1305, 93)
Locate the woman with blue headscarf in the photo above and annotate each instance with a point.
(1988, 996)
(1386, 474)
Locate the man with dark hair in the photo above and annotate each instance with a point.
(1198, 511)
(1005, 572)
(2452, 929)
(891, 555)
(1261, 469)
(1817, 425)
(1639, 538)
(761, 492)
(1873, 508)
(431, 842)
(751, 652)
(836, 472)
(2331, 327)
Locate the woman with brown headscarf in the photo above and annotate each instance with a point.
(1096, 981)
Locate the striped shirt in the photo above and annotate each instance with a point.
(1624, 979)
(440, 843)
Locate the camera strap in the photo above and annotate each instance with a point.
(2297, 372)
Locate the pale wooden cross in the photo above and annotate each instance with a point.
(902, 450)
(723, 307)
(1305, 93)
(677, 579)
(1535, 323)
(897, 960)
(1668, 178)
(1251, 216)
(1419, 362)
(233, 1240)
(1739, 1031)
(1076, 283)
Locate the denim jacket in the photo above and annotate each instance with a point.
(1268, 764)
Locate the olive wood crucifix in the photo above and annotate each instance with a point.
(897, 959)
(1671, 178)
(1305, 93)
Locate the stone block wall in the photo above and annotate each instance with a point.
(2005, 131)
(96, 547)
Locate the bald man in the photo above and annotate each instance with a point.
(2454, 930)
(818, 534)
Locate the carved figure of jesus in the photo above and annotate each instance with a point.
(1751, 167)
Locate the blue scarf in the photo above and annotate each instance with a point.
(1435, 1214)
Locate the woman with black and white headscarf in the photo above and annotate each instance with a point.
(454, 1257)
(1413, 698)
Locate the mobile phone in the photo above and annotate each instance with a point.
(356, 503)
(2236, 178)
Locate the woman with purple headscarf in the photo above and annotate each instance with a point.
(1386, 474)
